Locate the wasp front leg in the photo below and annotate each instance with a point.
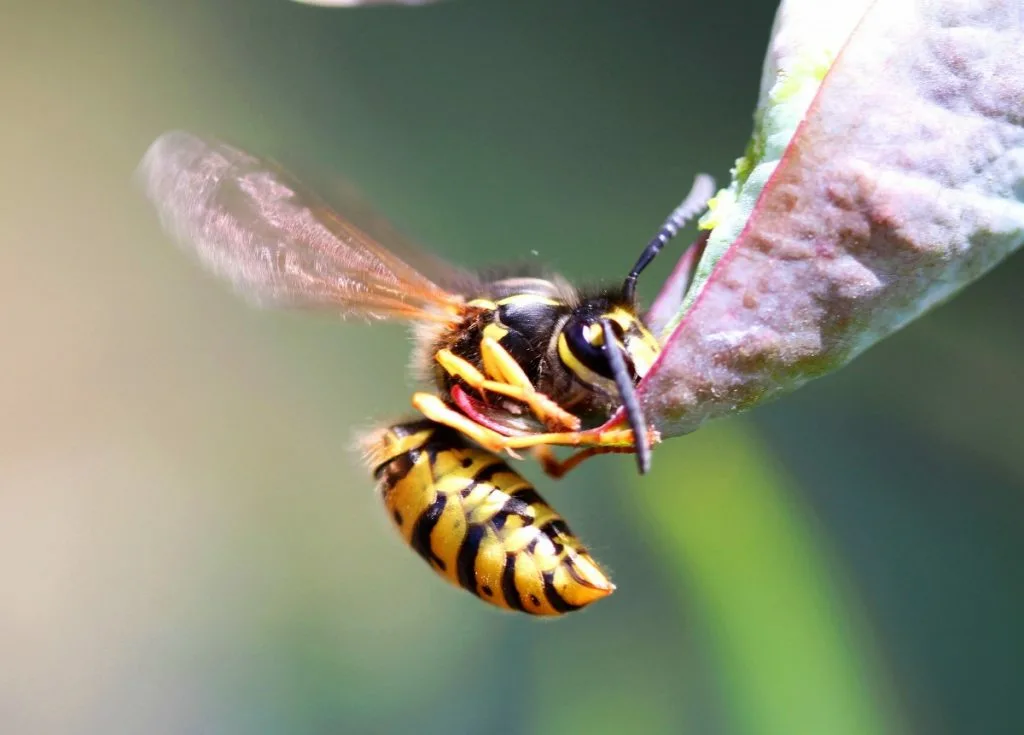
(507, 379)
(612, 439)
(436, 410)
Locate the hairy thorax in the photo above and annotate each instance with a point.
(525, 316)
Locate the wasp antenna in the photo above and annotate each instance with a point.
(702, 189)
(627, 394)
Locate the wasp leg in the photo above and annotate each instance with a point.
(558, 468)
(510, 380)
(435, 409)
(500, 365)
(615, 438)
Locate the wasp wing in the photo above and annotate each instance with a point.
(253, 225)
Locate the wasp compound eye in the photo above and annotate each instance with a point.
(585, 342)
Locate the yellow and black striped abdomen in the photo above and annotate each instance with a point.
(479, 523)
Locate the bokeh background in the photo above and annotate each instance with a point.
(188, 545)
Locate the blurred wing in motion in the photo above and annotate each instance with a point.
(251, 224)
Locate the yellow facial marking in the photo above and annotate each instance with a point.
(641, 354)
(641, 346)
(623, 318)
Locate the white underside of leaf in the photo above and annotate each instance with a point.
(903, 182)
(806, 38)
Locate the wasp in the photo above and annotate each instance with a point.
(519, 360)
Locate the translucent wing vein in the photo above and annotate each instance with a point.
(251, 224)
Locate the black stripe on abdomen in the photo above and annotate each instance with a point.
(554, 599)
(394, 470)
(518, 504)
(466, 559)
(508, 584)
(552, 530)
(487, 472)
(420, 539)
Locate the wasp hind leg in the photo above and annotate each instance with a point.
(507, 379)
(558, 468)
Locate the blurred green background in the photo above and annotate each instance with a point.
(188, 545)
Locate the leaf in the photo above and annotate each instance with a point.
(875, 187)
